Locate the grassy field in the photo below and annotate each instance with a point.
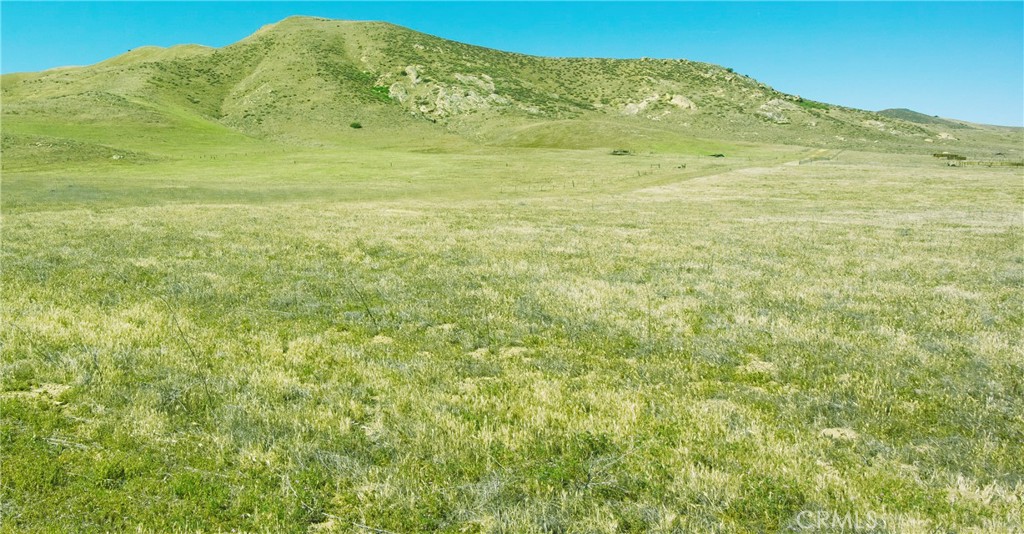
(471, 339)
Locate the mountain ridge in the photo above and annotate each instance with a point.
(306, 79)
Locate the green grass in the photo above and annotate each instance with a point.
(810, 104)
(462, 339)
(304, 79)
(224, 308)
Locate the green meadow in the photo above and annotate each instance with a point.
(461, 338)
(523, 296)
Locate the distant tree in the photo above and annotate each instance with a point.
(356, 125)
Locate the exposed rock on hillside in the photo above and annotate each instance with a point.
(309, 77)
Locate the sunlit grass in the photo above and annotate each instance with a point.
(512, 341)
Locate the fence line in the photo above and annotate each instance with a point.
(812, 159)
(988, 163)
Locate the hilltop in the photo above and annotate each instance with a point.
(307, 80)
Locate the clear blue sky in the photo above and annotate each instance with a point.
(961, 60)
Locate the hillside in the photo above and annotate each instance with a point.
(910, 115)
(305, 80)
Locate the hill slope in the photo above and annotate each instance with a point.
(307, 79)
(910, 115)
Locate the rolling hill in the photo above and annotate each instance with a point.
(910, 115)
(306, 80)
